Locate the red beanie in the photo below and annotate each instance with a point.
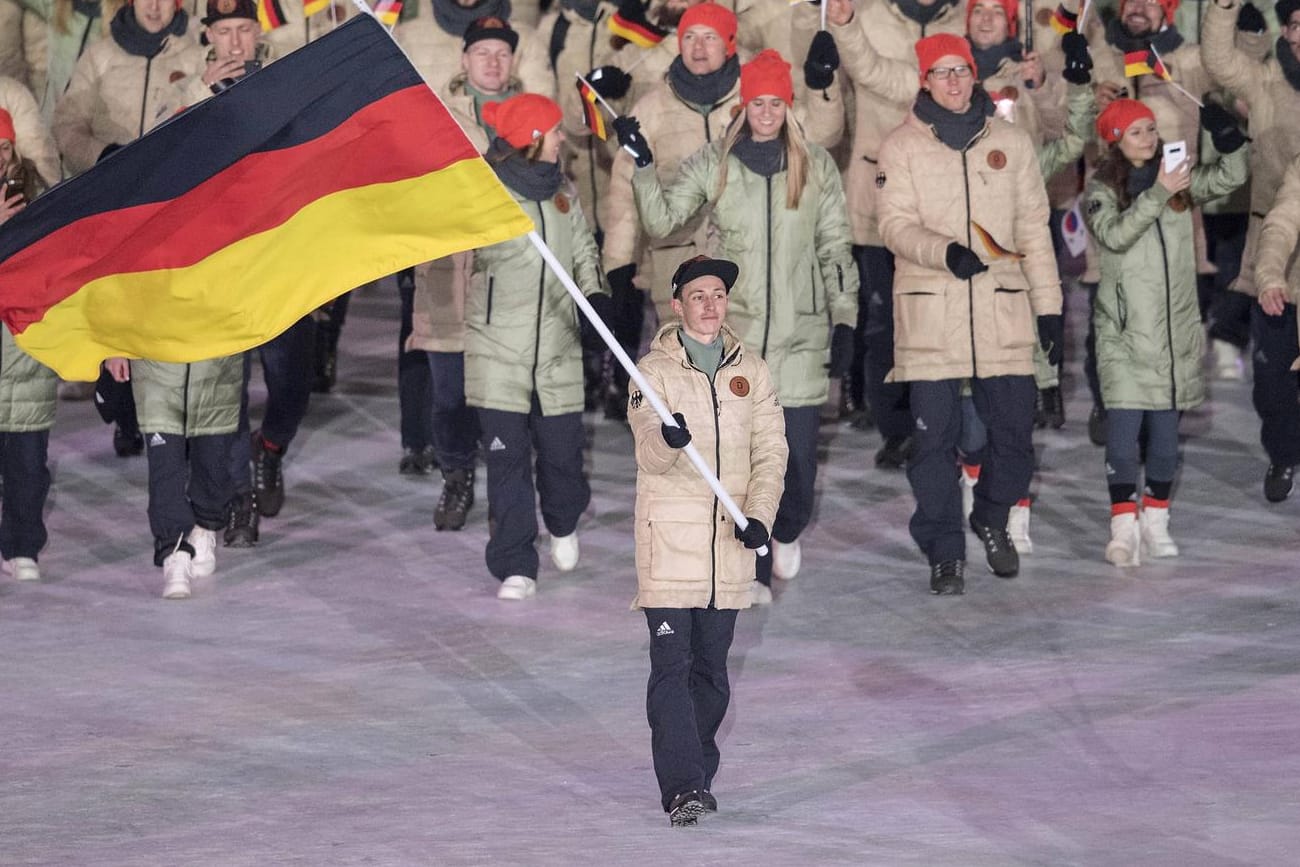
(930, 49)
(523, 119)
(766, 75)
(717, 18)
(1170, 6)
(1010, 7)
(1119, 116)
(7, 126)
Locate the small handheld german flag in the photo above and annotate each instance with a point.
(635, 27)
(996, 250)
(270, 15)
(311, 7)
(591, 109)
(1064, 21)
(388, 11)
(1144, 63)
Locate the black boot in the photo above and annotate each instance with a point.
(1004, 562)
(268, 482)
(1049, 409)
(456, 500)
(947, 579)
(895, 452)
(241, 521)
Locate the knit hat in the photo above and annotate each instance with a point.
(1012, 10)
(702, 266)
(1119, 116)
(7, 126)
(523, 119)
(717, 18)
(491, 27)
(766, 75)
(220, 10)
(1284, 9)
(1170, 6)
(930, 49)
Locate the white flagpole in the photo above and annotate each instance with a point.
(649, 393)
(1170, 79)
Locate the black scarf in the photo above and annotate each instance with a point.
(763, 158)
(134, 39)
(456, 19)
(923, 15)
(705, 90)
(1287, 60)
(534, 181)
(1142, 178)
(957, 131)
(1164, 42)
(988, 60)
(89, 8)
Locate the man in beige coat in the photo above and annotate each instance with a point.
(695, 567)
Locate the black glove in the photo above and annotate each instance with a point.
(1078, 60)
(106, 151)
(823, 60)
(754, 535)
(1222, 127)
(1051, 336)
(610, 81)
(628, 129)
(963, 262)
(676, 437)
(620, 283)
(1250, 19)
(841, 351)
(604, 307)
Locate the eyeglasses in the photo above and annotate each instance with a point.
(943, 73)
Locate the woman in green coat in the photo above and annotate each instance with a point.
(779, 212)
(1146, 317)
(523, 359)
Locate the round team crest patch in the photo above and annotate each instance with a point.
(1177, 204)
(1043, 17)
(739, 386)
(562, 203)
(997, 160)
(735, 110)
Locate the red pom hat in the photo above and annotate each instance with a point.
(766, 75)
(718, 18)
(7, 126)
(523, 119)
(930, 49)
(1012, 10)
(1119, 116)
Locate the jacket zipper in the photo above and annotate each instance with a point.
(185, 404)
(144, 99)
(767, 316)
(717, 469)
(491, 285)
(970, 281)
(541, 288)
(1169, 318)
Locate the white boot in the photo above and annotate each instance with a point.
(968, 483)
(760, 594)
(204, 543)
(517, 587)
(176, 575)
(1124, 545)
(564, 552)
(23, 569)
(1227, 361)
(787, 557)
(1155, 532)
(1018, 529)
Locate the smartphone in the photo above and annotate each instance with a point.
(1175, 153)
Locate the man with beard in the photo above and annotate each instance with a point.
(1271, 91)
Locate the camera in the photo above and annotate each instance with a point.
(250, 66)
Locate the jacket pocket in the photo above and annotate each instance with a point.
(491, 286)
(1121, 307)
(1014, 318)
(681, 539)
(919, 320)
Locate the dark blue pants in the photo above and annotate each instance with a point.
(23, 457)
(455, 425)
(414, 387)
(1123, 450)
(888, 400)
(687, 695)
(1274, 394)
(287, 365)
(1005, 405)
(1090, 350)
(189, 485)
(796, 508)
(510, 441)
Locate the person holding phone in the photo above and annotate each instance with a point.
(1150, 342)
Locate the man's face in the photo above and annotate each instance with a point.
(703, 50)
(1143, 17)
(951, 81)
(234, 38)
(988, 24)
(487, 65)
(1291, 32)
(154, 15)
(702, 307)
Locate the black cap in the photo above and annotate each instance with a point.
(703, 266)
(491, 27)
(219, 10)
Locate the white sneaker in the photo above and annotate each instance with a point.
(787, 557)
(517, 587)
(1228, 364)
(968, 484)
(1018, 529)
(205, 552)
(176, 575)
(1122, 550)
(760, 594)
(1155, 533)
(564, 552)
(23, 569)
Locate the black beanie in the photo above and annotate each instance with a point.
(1284, 8)
(492, 27)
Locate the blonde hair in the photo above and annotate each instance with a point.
(796, 155)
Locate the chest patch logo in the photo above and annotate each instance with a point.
(997, 160)
(635, 400)
(739, 386)
(880, 180)
(562, 203)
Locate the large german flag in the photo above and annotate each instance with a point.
(224, 226)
